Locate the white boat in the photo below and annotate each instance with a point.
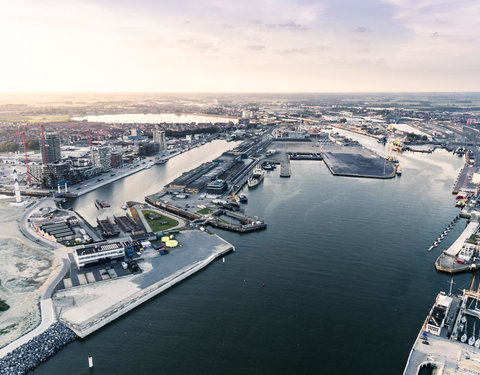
(464, 319)
(124, 206)
(463, 338)
(471, 340)
(430, 248)
(477, 343)
(461, 327)
(256, 177)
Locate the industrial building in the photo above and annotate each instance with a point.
(214, 175)
(148, 149)
(96, 253)
(51, 153)
(57, 232)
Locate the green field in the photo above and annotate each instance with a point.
(156, 225)
(205, 211)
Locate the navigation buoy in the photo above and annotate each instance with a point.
(90, 361)
(263, 284)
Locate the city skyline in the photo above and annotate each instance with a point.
(213, 46)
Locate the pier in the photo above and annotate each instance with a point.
(447, 261)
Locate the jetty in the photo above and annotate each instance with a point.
(447, 261)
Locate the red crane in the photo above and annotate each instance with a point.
(26, 155)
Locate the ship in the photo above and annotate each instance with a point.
(256, 178)
(161, 161)
(446, 341)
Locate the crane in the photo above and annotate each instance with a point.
(26, 156)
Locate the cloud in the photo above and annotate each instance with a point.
(255, 47)
(360, 29)
(291, 25)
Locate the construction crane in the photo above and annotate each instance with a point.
(26, 156)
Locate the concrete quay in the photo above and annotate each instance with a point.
(85, 309)
(447, 261)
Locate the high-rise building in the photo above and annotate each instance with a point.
(159, 137)
(51, 153)
(101, 157)
(116, 160)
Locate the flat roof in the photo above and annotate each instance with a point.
(99, 248)
(437, 316)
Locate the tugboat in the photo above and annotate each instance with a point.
(256, 177)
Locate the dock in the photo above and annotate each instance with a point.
(447, 261)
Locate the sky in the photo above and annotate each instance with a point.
(239, 45)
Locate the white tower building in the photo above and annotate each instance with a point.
(18, 198)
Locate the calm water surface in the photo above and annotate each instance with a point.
(348, 279)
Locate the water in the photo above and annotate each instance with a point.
(139, 118)
(348, 281)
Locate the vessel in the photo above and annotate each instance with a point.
(242, 198)
(399, 170)
(256, 178)
(124, 206)
(161, 161)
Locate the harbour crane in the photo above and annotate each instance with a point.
(26, 156)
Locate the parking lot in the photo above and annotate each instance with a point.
(94, 273)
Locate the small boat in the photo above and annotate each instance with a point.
(461, 327)
(471, 340)
(124, 206)
(463, 319)
(463, 338)
(399, 170)
(430, 248)
(242, 198)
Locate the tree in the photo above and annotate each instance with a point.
(8, 146)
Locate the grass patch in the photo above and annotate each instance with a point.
(3, 305)
(160, 224)
(205, 211)
(7, 329)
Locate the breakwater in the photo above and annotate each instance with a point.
(37, 350)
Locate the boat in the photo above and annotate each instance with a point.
(149, 165)
(256, 178)
(101, 204)
(161, 161)
(461, 327)
(242, 198)
(124, 206)
(268, 166)
(464, 319)
(463, 338)
(430, 248)
(471, 340)
(399, 170)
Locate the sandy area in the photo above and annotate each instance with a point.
(24, 267)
